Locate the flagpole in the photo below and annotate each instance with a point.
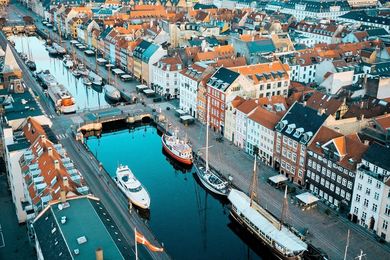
(135, 241)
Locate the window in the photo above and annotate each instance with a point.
(374, 207)
(376, 196)
(355, 210)
(357, 198)
(359, 187)
(369, 180)
(349, 185)
(333, 176)
(368, 191)
(344, 182)
(385, 224)
(365, 203)
(387, 210)
(378, 184)
(338, 179)
(338, 191)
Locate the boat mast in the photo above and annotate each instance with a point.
(284, 209)
(207, 131)
(253, 187)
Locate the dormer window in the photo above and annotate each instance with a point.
(290, 128)
(298, 132)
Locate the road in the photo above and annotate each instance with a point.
(328, 232)
(103, 186)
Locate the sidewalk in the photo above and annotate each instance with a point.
(328, 232)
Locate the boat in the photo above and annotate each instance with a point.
(87, 82)
(210, 179)
(131, 187)
(82, 69)
(51, 50)
(112, 93)
(95, 79)
(31, 65)
(282, 241)
(60, 50)
(67, 61)
(62, 99)
(45, 79)
(76, 73)
(176, 148)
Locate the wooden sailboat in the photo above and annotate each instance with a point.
(270, 231)
(209, 178)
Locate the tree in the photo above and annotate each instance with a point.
(28, 20)
(255, 150)
(3, 21)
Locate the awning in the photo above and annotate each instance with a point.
(278, 178)
(307, 198)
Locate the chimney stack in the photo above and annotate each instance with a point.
(56, 164)
(65, 181)
(321, 111)
(43, 138)
(50, 151)
(99, 253)
(63, 196)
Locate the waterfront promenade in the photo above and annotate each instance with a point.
(328, 232)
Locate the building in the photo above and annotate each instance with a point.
(332, 159)
(223, 86)
(364, 18)
(165, 79)
(242, 113)
(378, 129)
(329, 104)
(370, 206)
(230, 118)
(269, 79)
(260, 134)
(189, 81)
(294, 133)
(78, 227)
(362, 3)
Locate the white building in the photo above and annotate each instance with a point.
(370, 206)
(242, 113)
(260, 133)
(189, 81)
(165, 76)
(230, 117)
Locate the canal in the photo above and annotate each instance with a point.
(86, 97)
(191, 223)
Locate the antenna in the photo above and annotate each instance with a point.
(253, 187)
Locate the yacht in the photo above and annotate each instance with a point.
(60, 50)
(131, 187)
(82, 69)
(87, 82)
(176, 148)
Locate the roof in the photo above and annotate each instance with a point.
(85, 217)
(349, 148)
(20, 145)
(10, 64)
(32, 129)
(237, 101)
(300, 123)
(149, 52)
(264, 117)
(23, 106)
(383, 121)
(263, 72)
(307, 198)
(247, 106)
(222, 79)
(378, 155)
(261, 46)
(322, 101)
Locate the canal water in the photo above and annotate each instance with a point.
(191, 223)
(86, 97)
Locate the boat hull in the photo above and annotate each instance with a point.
(206, 184)
(185, 161)
(275, 252)
(133, 201)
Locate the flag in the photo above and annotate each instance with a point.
(142, 240)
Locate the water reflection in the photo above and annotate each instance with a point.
(191, 223)
(86, 97)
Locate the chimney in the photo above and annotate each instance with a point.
(43, 138)
(65, 181)
(56, 164)
(63, 196)
(50, 151)
(367, 142)
(304, 103)
(29, 126)
(321, 111)
(99, 253)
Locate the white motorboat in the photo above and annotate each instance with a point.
(76, 73)
(67, 61)
(112, 93)
(60, 50)
(95, 79)
(131, 187)
(82, 69)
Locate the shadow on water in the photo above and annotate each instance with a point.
(183, 168)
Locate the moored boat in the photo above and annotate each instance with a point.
(82, 69)
(60, 50)
(51, 50)
(76, 73)
(46, 79)
(131, 187)
(177, 149)
(67, 61)
(87, 82)
(112, 93)
(272, 232)
(95, 79)
(31, 65)
(62, 99)
(210, 179)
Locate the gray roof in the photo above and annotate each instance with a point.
(364, 17)
(223, 78)
(261, 46)
(23, 106)
(84, 217)
(300, 123)
(378, 155)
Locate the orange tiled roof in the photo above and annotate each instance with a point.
(383, 121)
(264, 68)
(32, 130)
